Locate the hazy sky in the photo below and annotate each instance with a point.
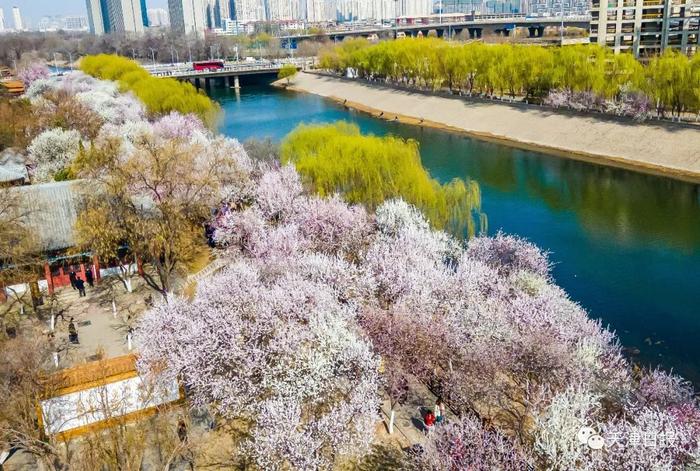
(35, 9)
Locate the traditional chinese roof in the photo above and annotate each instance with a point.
(12, 167)
(50, 211)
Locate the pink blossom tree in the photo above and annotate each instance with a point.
(508, 254)
(32, 73)
(277, 352)
(465, 444)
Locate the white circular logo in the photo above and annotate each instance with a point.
(584, 434)
(596, 442)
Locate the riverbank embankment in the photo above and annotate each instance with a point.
(660, 148)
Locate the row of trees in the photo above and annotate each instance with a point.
(162, 46)
(591, 75)
(160, 96)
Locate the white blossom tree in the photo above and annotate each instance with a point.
(51, 152)
(280, 354)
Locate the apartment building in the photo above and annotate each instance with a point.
(188, 16)
(646, 27)
(115, 16)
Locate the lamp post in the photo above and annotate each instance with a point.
(561, 28)
(396, 25)
(70, 59)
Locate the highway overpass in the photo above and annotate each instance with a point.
(451, 25)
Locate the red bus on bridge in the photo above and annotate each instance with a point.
(208, 65)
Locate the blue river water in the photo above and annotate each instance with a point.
(626, 245)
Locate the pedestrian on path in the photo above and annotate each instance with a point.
(88, 277)
(80, 284)
(72, 332)
(439, 411)
(429, 421)
(71, 277)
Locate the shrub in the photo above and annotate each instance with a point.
(160, 95)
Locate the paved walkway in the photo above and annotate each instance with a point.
(101, 332)
(408, 421)
(652, 146)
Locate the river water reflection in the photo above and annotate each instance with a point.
(626, 245)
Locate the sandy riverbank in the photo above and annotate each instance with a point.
(656, 148)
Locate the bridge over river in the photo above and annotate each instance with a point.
(231, 72)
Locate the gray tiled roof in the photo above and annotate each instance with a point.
(12, 175)
(12, 166)
(51, 210)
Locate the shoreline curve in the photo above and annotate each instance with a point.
(578, 137)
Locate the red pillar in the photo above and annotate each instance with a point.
(96, 264)
(3, 296)
(139, 265)
(49, 279)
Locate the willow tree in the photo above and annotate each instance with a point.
(160, 95)
(367, 169)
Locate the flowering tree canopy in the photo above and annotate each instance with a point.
(32, 73)
(466, 444)
(279, 353)
(52, 151)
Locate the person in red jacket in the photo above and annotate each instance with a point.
(429, 420)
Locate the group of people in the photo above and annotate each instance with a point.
(436, 416)
(77, 283)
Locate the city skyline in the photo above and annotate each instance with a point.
(33, 10)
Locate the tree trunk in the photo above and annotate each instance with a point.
(391, 421)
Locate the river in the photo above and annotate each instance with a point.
(626, 245)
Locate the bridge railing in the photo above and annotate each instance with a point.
(186, 69)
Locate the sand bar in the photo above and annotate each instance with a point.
(661, 148)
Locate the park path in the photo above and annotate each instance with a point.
(408, 421)
(101, 332)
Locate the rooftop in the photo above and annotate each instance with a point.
(51, 212)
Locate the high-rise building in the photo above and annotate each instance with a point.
(249, 10)
(232, 9)
(144, 14)
(99, 23)
(158, 17)
(2, 21)
(74, 23)
(646, 27)
(115, 16)
(17, 17)
(217, 11)
(557, 8)
(125, 16)
(188, 16)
